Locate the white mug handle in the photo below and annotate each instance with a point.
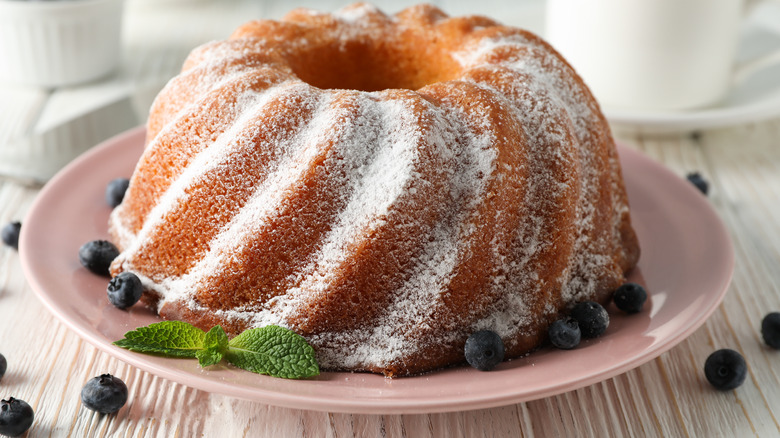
(750, 4)
(747, 69)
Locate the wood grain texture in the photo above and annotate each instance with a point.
(668, 396)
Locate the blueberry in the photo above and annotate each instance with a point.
(725, 369)
(16, 416)
(770, 330)
(97, 255)
(3, 366)
(630, 297)
(696, 179)
(565, 333)
(484, 350)
(591, 317)
(124, 290)
(10, 234)
(105, 394)
(115, 191)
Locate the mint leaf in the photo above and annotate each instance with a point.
(275, 351)
(271, 350)
(167, 338)
(215, 346)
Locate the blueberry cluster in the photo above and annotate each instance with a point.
(589, 319)
(125, 289)
(484, 349)
(105, 393)
(725, 368)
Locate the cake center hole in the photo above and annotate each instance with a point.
(373, 66)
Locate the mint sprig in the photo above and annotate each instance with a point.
(215, 345)
(271, 350)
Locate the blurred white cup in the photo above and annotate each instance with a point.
(649, 54)
(56, 43)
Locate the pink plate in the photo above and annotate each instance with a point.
(687, 263)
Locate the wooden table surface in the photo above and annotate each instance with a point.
(668, 396)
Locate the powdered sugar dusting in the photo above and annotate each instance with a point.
(380, 172)
(378, 162)
(211, 156)
(297, 155)
(357, 12)
(544, 91)
(388, 340)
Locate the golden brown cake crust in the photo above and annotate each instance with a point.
(382, 185)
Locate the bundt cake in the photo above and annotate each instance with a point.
(382, 185)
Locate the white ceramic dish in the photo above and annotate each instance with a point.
(56, 43)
